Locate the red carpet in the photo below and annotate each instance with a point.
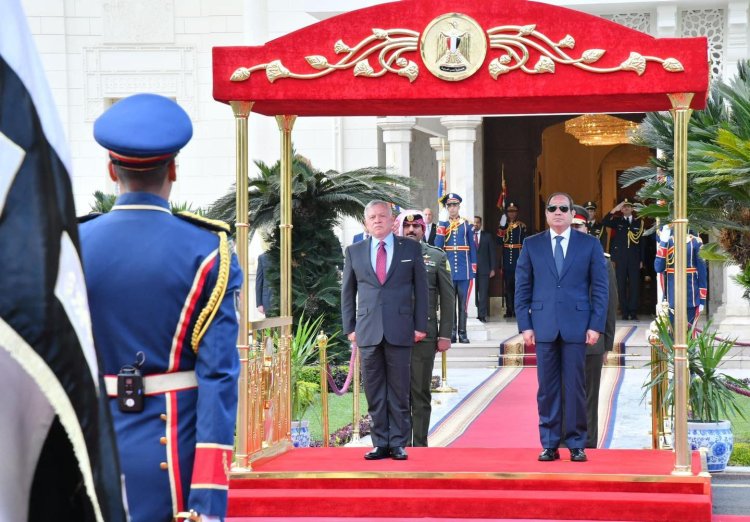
(509, 421)
(472, 483)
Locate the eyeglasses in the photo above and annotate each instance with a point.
(553, 208)
(452, 204)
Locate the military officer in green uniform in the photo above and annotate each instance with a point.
(439, 324)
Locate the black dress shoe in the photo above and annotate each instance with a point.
(462, 338)
(625, 317)
(634, 317)
(507, 314)
(549, 454)
(377, 453)
(578, 455)
(399, 453)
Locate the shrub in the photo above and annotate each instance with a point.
(740, 455)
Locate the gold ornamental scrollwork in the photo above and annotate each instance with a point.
(516, 41)
(384, 46)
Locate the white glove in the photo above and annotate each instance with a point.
(700, 308)
(503, 220)
(664, 233)
(443, 214)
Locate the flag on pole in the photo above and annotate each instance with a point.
(501, 199)
(58, 452)
(442, 182)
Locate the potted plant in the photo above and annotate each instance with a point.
(304, 352)
(711, 399)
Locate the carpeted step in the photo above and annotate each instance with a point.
(511, 482)
(470, 503)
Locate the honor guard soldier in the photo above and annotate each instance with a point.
(594, 227)
(439, 324)
(511, 234)
(455, 235)
(626, 249)
(161, 289)
(696, 272)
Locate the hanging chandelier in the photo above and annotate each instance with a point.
(600, 129)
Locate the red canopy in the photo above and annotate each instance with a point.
(537, 59)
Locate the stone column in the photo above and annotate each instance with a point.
(732, 316)
(397, 139)
(737, 44)
(462, 134)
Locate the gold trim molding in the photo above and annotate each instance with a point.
(387, 46)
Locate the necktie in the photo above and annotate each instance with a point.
(559, 257)
(476, 239)
(380, 261)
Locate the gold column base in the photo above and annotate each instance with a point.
(444, 388)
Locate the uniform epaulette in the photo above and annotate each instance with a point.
(212, 224)
(88, 217)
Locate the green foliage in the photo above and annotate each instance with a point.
(310, 374)
(103, 202)
(709, 398)
(740, 454)
(718, 164)
(304, 353)
(319, 201)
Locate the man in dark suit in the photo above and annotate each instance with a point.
(361, 236)
(262, 288)
(595, 353)
(626, 248)
(486, 264)
(384, 310)
(430, 227)
(561, 306)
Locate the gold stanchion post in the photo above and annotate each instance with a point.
(241, 112)
(444, 388)
(681, 114)
(322, 340)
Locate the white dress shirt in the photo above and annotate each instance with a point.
(566, 239)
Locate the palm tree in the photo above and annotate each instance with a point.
(718, 171)
(319, 201)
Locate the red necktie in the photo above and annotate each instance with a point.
(380, 262)
(476, 239)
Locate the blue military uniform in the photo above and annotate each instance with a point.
(596, 228)
(456, 238)
(511, 236)
(164, 285)
(696, 273)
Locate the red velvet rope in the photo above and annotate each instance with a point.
(345, 387)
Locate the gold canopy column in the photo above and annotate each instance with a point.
(681, 114)
(241, 112)
(286, 123)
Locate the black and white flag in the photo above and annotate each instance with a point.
(56, 442)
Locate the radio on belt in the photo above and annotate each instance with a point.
(130, 387)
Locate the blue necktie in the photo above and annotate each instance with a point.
(559, 257)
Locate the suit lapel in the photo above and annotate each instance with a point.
(547, 252)
(396, 256)
(571, 253)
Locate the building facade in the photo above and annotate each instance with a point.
(98, 51)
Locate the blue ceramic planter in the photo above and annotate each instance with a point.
(717, 438)
(300, 434)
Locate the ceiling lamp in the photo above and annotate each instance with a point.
(600, 129)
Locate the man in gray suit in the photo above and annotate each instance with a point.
(384, 310)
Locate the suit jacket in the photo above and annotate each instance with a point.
(262, 289)
(358, 237)
(568, 304)
(392, 310)
(607, 341)
(486, 256)
(430, 238)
